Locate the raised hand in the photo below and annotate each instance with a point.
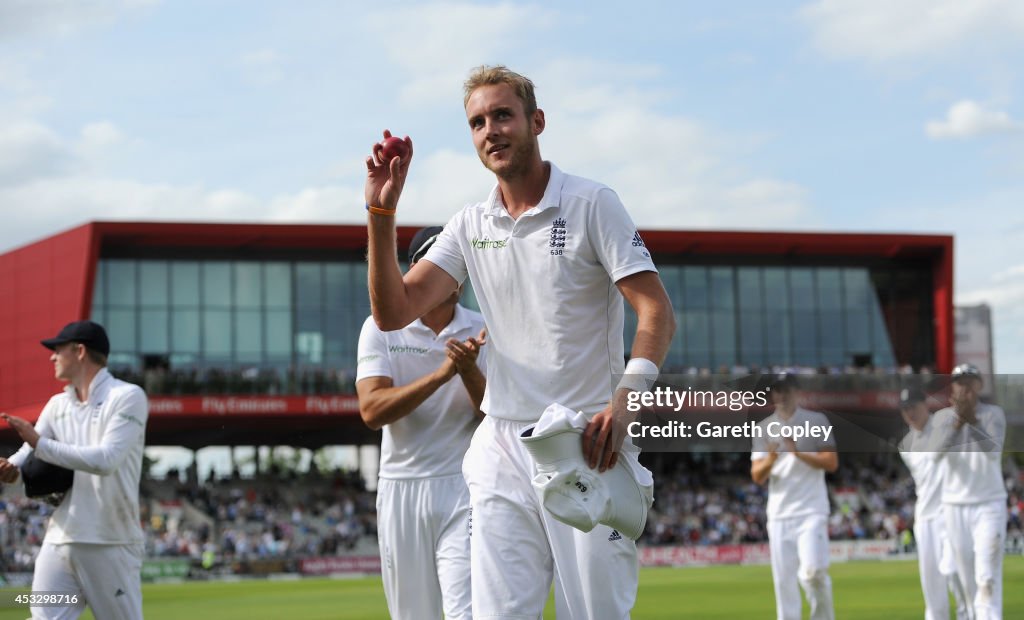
(385, 179)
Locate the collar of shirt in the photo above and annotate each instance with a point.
(551, 198)
(97, 389)
(459, 323)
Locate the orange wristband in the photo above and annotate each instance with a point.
(379, 211)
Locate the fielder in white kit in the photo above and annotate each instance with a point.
(550, 257)
(934, 553)
(94, 543)
(423, 385)
(969, 435)
(798, 505)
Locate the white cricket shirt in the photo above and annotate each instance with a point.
(546, 286)
(927, 471)
(102, 439)
(431, 440)
(795, 489)
(973, 475)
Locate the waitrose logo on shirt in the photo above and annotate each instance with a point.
(488, 244)
(395, 348)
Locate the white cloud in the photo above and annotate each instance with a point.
(29, 150)
(666, 167)
(882, 30)
(438, 43)
(60, 17)
(970, 119)
(101, 134)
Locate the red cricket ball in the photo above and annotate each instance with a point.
(394, 147)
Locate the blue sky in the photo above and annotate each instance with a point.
(835, 115)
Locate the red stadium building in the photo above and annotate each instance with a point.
(245, 334)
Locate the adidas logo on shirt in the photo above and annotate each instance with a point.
(615, 536)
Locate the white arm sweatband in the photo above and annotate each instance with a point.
(639, 376)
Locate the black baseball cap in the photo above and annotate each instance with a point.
(911, 396)
(965, 371)
(91, 334)
(42, 478)
(421, 242)
(784, 381)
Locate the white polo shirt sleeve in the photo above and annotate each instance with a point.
(447, 252)
(126, 429)
(615, 238)
(373, 359)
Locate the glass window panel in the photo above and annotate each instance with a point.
(153, 332)
(748, 284)
(309, 347)
(830, 295)
(695, 282)
(308, 285)
(279, 333)
(805, 338)
(185, 331)
(153, 283)
(776, 288)
(279, 285)
(216, 285)
(248, 335)
(121, 276)
(722, 289)
(359, 294)
(121, 330)
(335, 332)
(777, 339)
(217, 333)
(697, 337)
(672, 277)
(185, 284)
(99, 315)
(248, 285)
(857, 288)
(752, 336)
(724, 342)
(833, 349)
(337, 285)
(801, 284)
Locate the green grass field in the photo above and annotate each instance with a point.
(873, 590)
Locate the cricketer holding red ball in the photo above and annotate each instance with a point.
(550, 257)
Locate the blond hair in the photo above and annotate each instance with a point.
(490, 75)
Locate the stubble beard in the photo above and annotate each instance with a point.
(518, 163)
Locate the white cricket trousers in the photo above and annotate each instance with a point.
(107, 578)
(423, 532)
(938, 570)
(977, 534)
(518, 548)
(799, 552)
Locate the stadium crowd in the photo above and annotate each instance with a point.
(701, 499)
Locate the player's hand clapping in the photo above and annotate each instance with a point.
(464, 354)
